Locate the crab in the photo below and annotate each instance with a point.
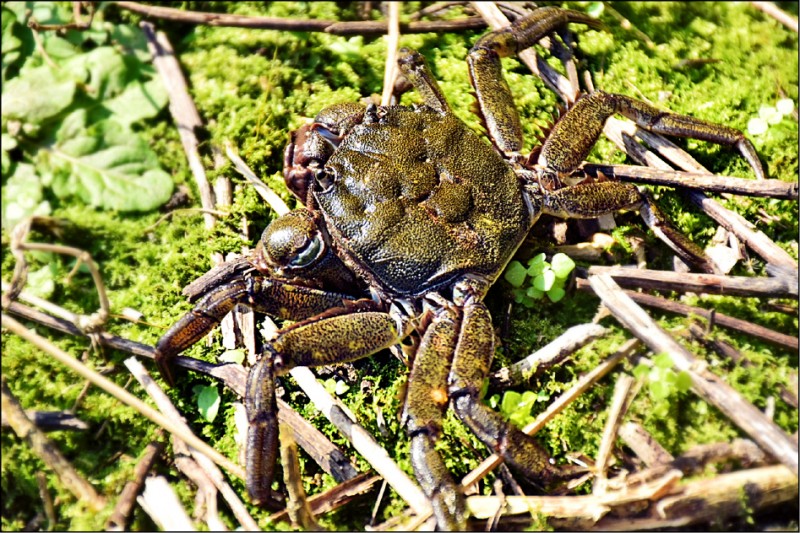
(409, 218)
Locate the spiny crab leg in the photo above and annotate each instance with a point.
(451, 365)
(355, 333)
(426, 400)
(595, 199)
(574, 135)
(495, 101)
(265, 295)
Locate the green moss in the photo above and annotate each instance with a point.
(253, 86)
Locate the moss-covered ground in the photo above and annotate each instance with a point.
(252, 87)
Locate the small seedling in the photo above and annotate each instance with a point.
(663, 382)
(539, 278)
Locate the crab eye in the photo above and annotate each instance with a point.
(308, 253)
(325, 179)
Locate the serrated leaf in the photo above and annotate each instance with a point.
(36, 95)
(106, 165)
(208, 401)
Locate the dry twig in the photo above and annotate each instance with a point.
(184, 113)
(719, 319)
(707, 385)
(356, 27)
(122, 510)
(546, 357)
(47, 451)
(695, 180)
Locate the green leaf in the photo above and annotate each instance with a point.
(659, 390)
(544, 281)
(232, 356)
(41, 282)
(641, 371)
(515, 274)
(683, 382)
(556, 294)
(595, 9)
(536, 265)
(208, 401)
(562, 265)
(22, 196)
(510, 402)
(11, 44)
(534, 293)
(138, 101)
(341, 387)
(663, 360)
(103, 70)
(105, 165)
(36, 95)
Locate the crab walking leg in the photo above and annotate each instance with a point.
(414, 68)
(577, 131)
(275, 298)
(262, 434)
(312, 342)
(595, 199)
(493, 93)
(473, 357)
(426, 400)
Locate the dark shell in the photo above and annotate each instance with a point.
(418, 199)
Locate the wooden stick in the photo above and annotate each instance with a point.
(297, 504)
(707, 385)
(161, 503)
(52, 420)
(769, 8)
(342, 418)
(726, 350)
(325, 453)
(47, 451)
(665, 280)
(569, 342)
(694, 180)
(183, 111)
(117, 392)
(335, 497)
(643, 444)
(620, 402)
(392, 39)
(661, 504)
(358, 27)
(765, 334)
(617, 130)
(118, 520)
(583, 383)
(165, 405)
